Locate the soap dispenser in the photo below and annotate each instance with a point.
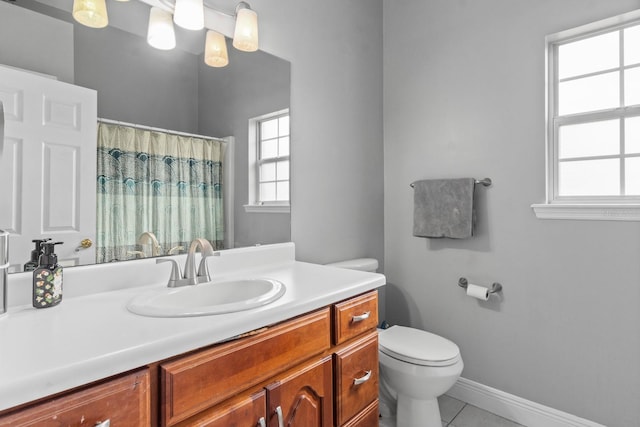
(47, 278)
(32, 264)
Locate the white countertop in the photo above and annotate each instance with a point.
(92, 335)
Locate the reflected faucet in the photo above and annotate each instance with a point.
(175, 250)
(4, 269)
(148, 237)
(190, 277)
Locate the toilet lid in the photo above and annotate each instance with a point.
(418, 347)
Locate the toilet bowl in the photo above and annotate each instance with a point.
(416, 367)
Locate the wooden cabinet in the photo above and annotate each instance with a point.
(368, 417)
(317, 370)
(205, 378)
(245, 410)
(124, 401)
(356, 373)
(301, 379)
(355, 316)
(356, 361)
(302, 397)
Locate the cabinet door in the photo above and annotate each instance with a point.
(123, 401)
(302, 397)
(206, 378)
(245, 410)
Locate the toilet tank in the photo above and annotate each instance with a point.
(362, 264)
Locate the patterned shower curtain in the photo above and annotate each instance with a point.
(165, 184)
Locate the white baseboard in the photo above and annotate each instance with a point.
(514, 408)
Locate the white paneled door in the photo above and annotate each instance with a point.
(47, 166)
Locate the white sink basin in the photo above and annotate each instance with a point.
(207, 298)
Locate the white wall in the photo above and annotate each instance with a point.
(464, 96)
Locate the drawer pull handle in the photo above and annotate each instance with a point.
(280, 417)
(361, 317)
(262, 422)
(106, 423)
(362, 379)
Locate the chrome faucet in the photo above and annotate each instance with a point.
(190, 266)
(191, 276)
(148, 237)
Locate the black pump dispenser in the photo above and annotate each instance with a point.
(32, 264)
(48, 257)
(47, 278)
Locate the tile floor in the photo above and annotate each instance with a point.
(455, 413)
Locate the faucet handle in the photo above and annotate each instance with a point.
(203, 269)
(176, 273)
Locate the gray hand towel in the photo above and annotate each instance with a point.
(443, 208)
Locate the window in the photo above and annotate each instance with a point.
(269, 163)
(593, 123)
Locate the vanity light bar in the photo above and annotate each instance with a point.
(213, 19)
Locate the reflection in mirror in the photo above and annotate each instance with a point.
(172, 90)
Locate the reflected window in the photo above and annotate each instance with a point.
(269, 145)
(594, 113)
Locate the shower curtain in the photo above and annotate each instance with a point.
(160, 183)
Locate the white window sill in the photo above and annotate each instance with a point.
(267, 208)
(594, 212)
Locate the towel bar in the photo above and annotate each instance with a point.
(486, 182)
(496, 287)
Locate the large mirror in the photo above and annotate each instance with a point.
(137, 84)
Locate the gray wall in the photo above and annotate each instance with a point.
(336, 106)
(253, 84)
(135, 82)
(464, 96)
(43, 45)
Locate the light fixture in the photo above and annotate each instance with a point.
(160, 33)
(92, 13)
(189, 14)
(245, 36)
(215, 50)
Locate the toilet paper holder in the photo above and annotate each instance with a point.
(495, 287)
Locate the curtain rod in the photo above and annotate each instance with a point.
(154, 129)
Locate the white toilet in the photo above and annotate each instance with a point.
(415, 368)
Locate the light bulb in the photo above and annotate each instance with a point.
(92, 13)
(160, 33)
(189, 14)
(215, 50)
(245, 36)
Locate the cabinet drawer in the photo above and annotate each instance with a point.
(367, 418)
(355, 316)
(244, 410)
(123, 401)
(198, 381)
(356, 368)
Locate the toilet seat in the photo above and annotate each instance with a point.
(418, 347)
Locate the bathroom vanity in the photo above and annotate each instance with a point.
(307, 359)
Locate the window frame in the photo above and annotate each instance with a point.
(626, 208)
(255, 205)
